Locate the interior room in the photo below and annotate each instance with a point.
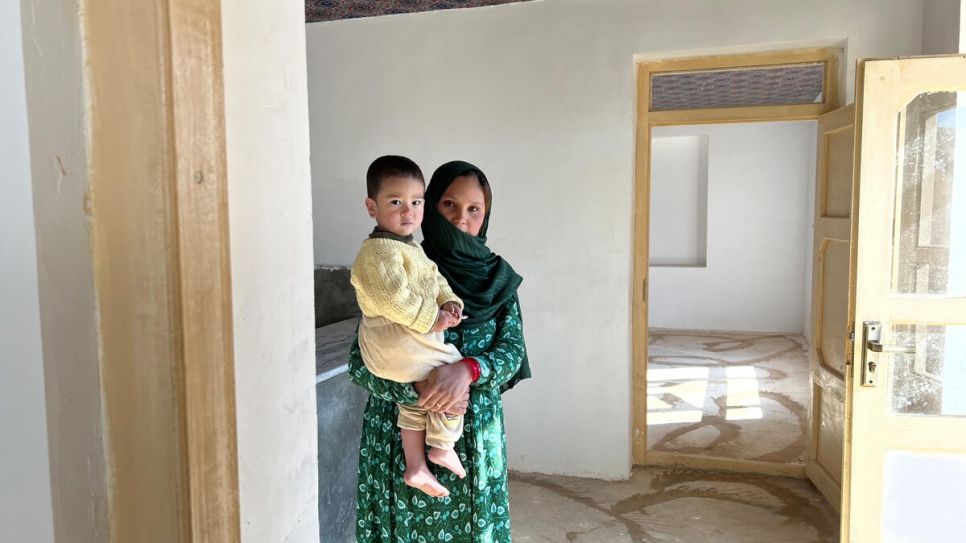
(517, 90)
(176, 201)
(730, 289)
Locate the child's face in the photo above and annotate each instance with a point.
(398, 208)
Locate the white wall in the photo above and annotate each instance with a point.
(808, 243)
(941, 27)
(679, 201)
(270, 214)
(26, 513)
(962, 27)
(758, 191)
(57, 106)
(540, 95)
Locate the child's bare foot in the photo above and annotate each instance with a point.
(448, 459)
(424, 480)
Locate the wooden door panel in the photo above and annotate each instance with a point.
(832, 319)
(905, 452)
(830, 347)
(836, 195)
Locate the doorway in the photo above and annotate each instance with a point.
(730, 275)
(728, 348)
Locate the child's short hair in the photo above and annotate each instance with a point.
(388, 166)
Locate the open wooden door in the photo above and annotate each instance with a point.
(830, 348)
(905, 448)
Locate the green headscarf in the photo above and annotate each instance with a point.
(482, 279)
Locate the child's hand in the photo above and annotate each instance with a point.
(455, 310)
(445, 320)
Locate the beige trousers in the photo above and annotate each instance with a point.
(442, 429)
(398, 353)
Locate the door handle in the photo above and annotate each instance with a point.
(872, 334)
(876, 347)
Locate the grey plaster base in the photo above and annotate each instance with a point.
(340, 408)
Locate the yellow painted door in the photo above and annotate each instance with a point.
(830, 348)
(905, 450)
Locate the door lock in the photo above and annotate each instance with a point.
(872, 336)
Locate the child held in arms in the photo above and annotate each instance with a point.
(406, 305)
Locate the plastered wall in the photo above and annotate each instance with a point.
(270, 215)
(941, 27)
(759, 189)
(57, 104)
(26, 513)
(541, 96)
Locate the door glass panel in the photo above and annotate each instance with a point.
(933, 380)
(929, 246)
(924, 498)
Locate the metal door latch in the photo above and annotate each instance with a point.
(872, 335)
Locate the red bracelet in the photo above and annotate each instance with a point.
(474, 367)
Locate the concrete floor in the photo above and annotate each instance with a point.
(669, 506)
(730, 395)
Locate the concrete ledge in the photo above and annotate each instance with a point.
(332, 344)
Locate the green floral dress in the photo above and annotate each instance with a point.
(478, 507)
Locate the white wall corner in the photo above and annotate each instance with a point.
(962, 26)
(57, 106)
(270, 222)
(941, 27)
(26, 511)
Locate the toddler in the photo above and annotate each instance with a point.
(406, 304)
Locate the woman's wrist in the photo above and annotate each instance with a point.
(474, 367)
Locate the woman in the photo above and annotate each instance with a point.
(477, 510)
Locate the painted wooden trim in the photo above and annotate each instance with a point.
(693, 461)
(639, 288)
(646, 120)
(798, 112)
(846, 506)
(161, 268)
(198, 90)
(745, 60)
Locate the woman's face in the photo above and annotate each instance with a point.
(464, 204)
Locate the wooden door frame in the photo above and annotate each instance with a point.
(159, 225)
(646, 120)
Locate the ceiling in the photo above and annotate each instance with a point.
(334, 10)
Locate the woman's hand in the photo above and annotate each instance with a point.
(445, 387)
(460, 407)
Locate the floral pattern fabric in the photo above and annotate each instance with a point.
(478, 507)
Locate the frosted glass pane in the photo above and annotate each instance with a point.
(929, 247)
(933, 380)
(738, 87)
(924, 498)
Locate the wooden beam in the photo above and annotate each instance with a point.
(161, 259)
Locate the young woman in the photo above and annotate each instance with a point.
(458, 201)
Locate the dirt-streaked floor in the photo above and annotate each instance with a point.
(670, 505)
(728, 394)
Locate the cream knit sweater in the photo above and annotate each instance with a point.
(398, 281)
